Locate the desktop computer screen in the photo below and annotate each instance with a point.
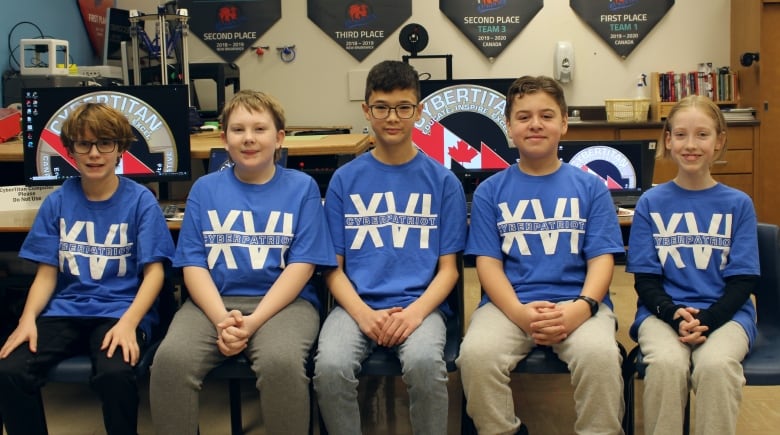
(117, 31)
(219, 159)
(158, 114)
(625, 166)
(463, 127)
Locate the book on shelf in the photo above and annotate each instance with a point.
(721, 85)
(739, 114)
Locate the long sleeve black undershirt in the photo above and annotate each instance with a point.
(649, 288)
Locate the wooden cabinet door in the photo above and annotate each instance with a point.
(768, 161)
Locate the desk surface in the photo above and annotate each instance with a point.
(202, 143)
(20, 221)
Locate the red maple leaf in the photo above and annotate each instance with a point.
(463, 153)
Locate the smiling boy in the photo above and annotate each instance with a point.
(251, 238)
(544, 234)
(389, 209)
(100, 242)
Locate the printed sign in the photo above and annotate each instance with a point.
(491, 24)
(359, 26)
(622, 24)
(231, 27)
(23, 197)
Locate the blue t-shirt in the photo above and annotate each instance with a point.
(246, 234)
(391, 223)
(99, 247)
(695, 239)
(544, 229)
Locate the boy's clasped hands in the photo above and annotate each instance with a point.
(549, 323)
(233, 333)
(389, 327)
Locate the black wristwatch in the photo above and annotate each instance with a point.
(594, 304)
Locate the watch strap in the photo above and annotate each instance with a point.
(594, 304)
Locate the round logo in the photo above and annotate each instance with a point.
(464, 125)
(153, 152)
(609, 164)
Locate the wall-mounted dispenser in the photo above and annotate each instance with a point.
(563, 68)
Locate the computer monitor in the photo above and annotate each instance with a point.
(117, 31)
(158, 115)
(625, 166)
(463, 127)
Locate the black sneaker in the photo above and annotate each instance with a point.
(523, 430)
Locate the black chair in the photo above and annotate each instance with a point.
(237, 369)
(384, 361)
(761, 365)
(78, 369)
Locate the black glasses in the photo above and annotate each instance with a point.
(382, 111)
(103, 146)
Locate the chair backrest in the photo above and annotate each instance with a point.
(767, 291)
(456, 299)
(166, 307)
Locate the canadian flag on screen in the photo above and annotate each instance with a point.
(445, 147)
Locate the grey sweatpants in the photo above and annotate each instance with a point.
(278, 351)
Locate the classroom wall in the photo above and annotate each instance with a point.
(57, 19)
(314, 87)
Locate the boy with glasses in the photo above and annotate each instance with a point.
(398, 220)
(100, 242)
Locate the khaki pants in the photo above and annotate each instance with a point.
(494, 345)
(712, 369)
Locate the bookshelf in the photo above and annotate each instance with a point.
(668, 88)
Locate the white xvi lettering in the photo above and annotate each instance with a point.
(669, 240)
(514, 228)
(368, 220)
(99, 254)
(223, 238)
